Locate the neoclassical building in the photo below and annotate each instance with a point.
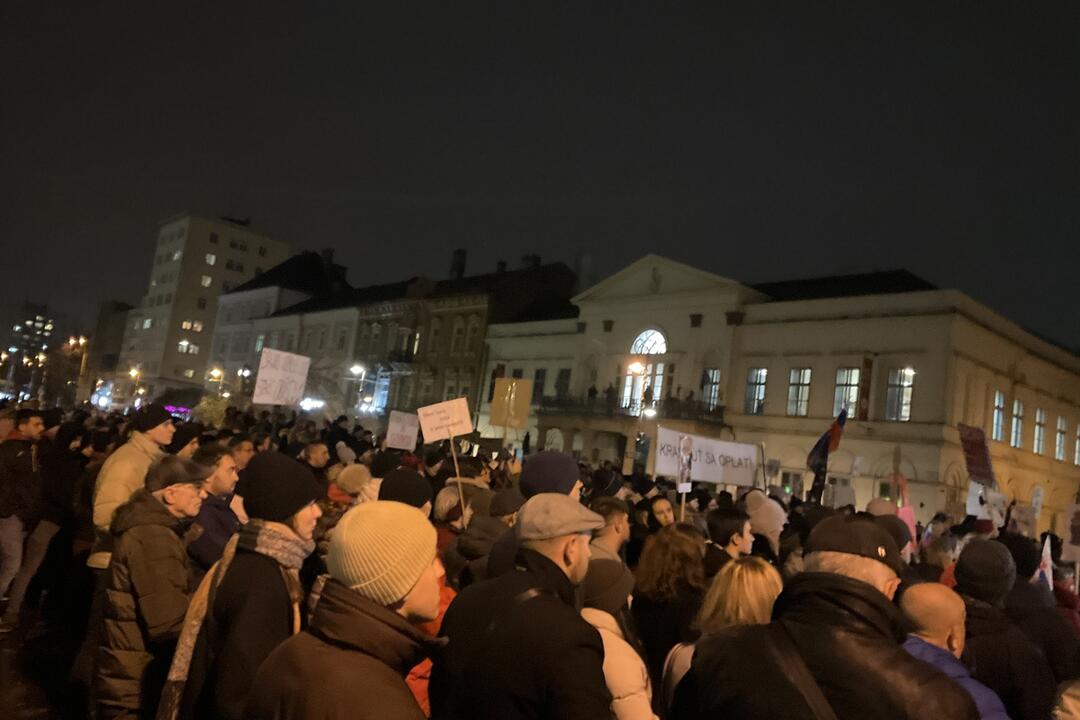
(662, 343)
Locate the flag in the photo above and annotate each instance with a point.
(818, 459)
(1046, 566)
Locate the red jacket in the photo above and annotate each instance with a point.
(1068, 604)
(420, 675)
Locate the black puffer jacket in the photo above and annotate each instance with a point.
(20, 479)
(61, 469)
(847, 633)
(1034, 610)
(1004, 659)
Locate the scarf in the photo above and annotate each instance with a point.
(285, 548)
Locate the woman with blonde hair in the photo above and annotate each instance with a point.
(742, 593)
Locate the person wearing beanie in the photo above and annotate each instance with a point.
(250, 601)
(352, 659)
(1001, 656)
(466, 557)
(518, 648)
(767, 518)
(146, 588)
(607, 590)
(544, 472)
(838, 618)
(409, 487)
(185, 440)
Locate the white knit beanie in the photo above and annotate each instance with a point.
(380, 549)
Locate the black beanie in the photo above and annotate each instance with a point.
(985, 571)
(277, 487)
(184, 434)
(149, 417)
(406, 486)
(1025, 553)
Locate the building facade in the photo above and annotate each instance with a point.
(167, 340)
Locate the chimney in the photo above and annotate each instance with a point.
(530, 262)
(457, 264)
(500, 266)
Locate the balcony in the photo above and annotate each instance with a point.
(669, 409)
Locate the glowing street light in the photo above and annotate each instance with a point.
(649, 412)
(357, 370)
(216, 373)
(636, 368)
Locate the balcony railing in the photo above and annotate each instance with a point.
(669, 409)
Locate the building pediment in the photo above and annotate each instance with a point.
(656, 276)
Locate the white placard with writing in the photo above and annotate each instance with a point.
(401, 433)
(713, 461)
(446, 419)
(281, 378)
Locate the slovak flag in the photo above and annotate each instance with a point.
(818, 459)
(1046, 566)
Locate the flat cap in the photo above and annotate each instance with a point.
(855, 536)
(552, 515)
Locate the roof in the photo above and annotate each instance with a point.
(875, 283)
(350, 297)
(306, 272)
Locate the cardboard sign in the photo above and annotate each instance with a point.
(281, 378)
(511, 402)
(445, 420)
(977, 455)
(707, 460)
(402, 431)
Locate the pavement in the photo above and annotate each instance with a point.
(23, 697)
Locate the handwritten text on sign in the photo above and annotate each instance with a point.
(281, 378)
(446, 419)
(713, 461)
(401, 433)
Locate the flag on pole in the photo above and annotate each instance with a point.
(818, 459)
(1046, 566)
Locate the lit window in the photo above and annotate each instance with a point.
(997, 429)
(193, 349)
(755, 391)
(711, 388)
(211, 258)
(650, 342)
(1076, 447)
(798, 402)
(183, 346)
(1059, 441)
(847, 390)
(148, 323)
(259, 341)
(186, 325)
(206, 281)
(189, 373)
(898, 397)
(1040, 431)
(196, 325)
(1017, 439)
(177, 255)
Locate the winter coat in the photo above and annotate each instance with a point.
(519, 649)
(503, 551)
(211, 530)
(145, 601)
(419, 677)
(624, 670)
(988, 704)
(716, 558)
(465, 559)
(251, 614)
(663, 624)
(20, 479)
(61, 469)
(120, 477)
(1004, 659)
(1068, 605)
(350, 663)
(1031, 606)
(847, 633)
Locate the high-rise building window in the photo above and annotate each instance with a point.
(211, 258)
(1017, 439)
(189, 373)
(798, 400)
(711, 389)
(260, 341)
(997, 429)
(846, 394)
(1059, 440)
(1040, 431)
(185, 325)
(177, 254)
(898, 396)
(206, 281)
(196, 325)
(200, 303)
(755, 391)
(147, 323)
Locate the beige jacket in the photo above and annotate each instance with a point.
(121, 475)
(624, 670)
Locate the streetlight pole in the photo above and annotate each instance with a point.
(359, 372)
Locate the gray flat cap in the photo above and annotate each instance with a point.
(552, 515)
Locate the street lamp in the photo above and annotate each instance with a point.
(218, 375)
(359, 372)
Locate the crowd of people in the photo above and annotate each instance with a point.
(271, 568)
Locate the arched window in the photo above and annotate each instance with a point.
(649, 342)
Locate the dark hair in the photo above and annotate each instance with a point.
(24, 415)
(237, 439)
(723, 524)
(210, 455)
(608, 507)
(470, 467)
(654, 524)
(259, 438)
(383, 462)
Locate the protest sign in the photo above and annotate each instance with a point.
(1022, 520)
(445, 420)
(986, 504)
(281, 378)
(977, 455)
(402, 430)
(707, 460)
(510, 403)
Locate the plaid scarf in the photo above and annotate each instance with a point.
(288, 550)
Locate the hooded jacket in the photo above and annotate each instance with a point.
(624, 670)
(350, 663)
(989, 704)
(147, 590)
(847, 633)
(120, 477)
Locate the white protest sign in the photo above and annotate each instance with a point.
(987, 504)
(401, 433)
(281, 378)
(713, 461)
(974, 505)
(1022, 520)
(445, 420)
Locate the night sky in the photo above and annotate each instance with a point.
(758, 140)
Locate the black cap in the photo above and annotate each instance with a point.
(276, 487)
(149, 417)
(855, 536)
(406, 486)
(185, 433)
(896, 528)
